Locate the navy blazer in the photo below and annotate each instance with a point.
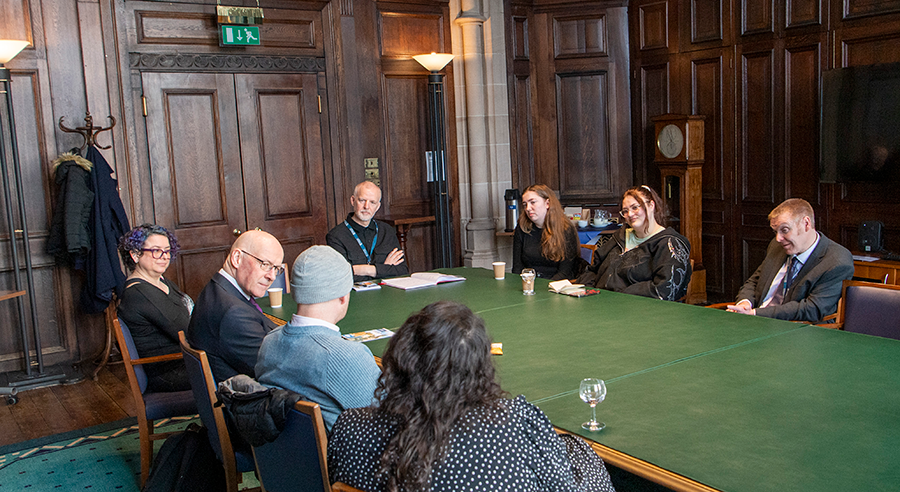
(813, 294)
(228, 327)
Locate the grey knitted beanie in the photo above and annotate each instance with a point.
(320, 274)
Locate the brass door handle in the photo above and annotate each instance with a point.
(236, 232)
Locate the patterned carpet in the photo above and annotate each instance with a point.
(105, 457)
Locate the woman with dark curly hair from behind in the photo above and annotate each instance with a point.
(152, 307)
(442, 423)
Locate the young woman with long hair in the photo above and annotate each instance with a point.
(442, 424)
(545, 238)
(646, 258)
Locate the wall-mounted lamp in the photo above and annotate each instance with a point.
(434, 63)
(9, 48)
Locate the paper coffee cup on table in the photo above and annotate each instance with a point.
(499, 269)
(275, 297)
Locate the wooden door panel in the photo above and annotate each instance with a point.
(656, 99)
(759, 179)
(584, 148)
(405, 179)
(282, 158)
(195, 165)
(803, 66)
(710, 77)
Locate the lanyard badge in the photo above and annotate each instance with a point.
(363, 248)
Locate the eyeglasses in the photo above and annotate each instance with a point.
(265, 265)
(157, 253)
(634, 208)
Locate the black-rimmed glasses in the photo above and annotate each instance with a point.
(265, 265)
(157, 253)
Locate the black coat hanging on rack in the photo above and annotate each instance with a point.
(107, 222)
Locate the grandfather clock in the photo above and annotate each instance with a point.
(679, 156)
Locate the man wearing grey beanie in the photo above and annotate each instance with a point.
(308, 355)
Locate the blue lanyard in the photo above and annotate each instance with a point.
(363, 248)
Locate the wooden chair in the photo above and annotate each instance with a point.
(235, 462)
(150, 405)
(298, 458)
(870, 308)
(342, 487)
(588, 249)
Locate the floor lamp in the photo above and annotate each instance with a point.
(434, 63)
(8, 50)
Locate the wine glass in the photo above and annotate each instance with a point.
(592, 391)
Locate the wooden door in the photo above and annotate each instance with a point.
(230, 152)
(195, 165)
(282, 158)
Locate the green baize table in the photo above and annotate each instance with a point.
(698, 399)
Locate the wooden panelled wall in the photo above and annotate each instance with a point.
(212, 139)
(49, 82)
(569, 99)
(752, 67)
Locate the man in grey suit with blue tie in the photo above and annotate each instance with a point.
(801, 277)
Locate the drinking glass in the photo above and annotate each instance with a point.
(528, 276)
(592, 392)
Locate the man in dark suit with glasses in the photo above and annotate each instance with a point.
(227, 322)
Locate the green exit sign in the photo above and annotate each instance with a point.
(240, 35)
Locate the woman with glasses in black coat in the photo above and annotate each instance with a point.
(645, 258)
(153, 309)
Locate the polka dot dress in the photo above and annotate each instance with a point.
(510, 448)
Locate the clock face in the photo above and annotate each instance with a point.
(670, 141)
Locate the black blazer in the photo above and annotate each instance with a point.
(815, 292)
(228, 328)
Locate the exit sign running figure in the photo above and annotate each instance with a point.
(240, 35)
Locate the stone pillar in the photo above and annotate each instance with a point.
(477, 122)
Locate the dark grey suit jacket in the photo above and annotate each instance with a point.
(228, 328)
(815, 292)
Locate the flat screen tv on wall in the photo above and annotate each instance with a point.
(860, 131)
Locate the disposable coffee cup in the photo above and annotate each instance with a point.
(499, 269)
(275, 297)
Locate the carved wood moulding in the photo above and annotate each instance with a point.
(225, 63)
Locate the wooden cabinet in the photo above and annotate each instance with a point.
(879, 271)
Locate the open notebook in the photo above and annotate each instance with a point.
(421, 279)
(569, 289)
